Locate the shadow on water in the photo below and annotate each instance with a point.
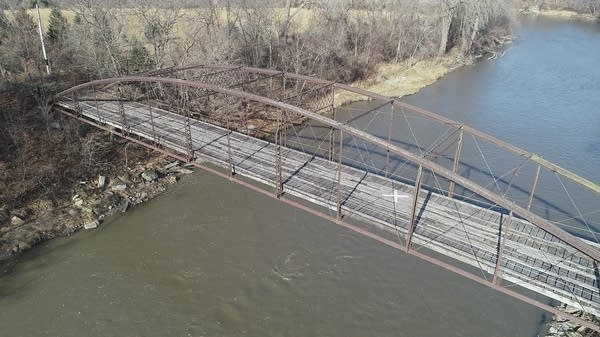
(468, 169)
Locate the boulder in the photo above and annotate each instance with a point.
(101, 181)
(572, 310)
(92, 225)
(170, 166)
(124, 205)
(119, 187)
(16, 221)
(150, 175)
(183, 170)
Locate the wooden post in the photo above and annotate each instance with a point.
(339, 177)
(496, 278)
(456, 161)
(533, 187)
(413, 208)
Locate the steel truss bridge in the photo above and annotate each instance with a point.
(408, 178)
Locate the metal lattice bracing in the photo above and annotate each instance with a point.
(409, 178)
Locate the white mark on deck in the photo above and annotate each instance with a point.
(396, 195)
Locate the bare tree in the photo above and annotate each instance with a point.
(159, 25)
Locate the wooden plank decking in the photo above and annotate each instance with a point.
(466, 232)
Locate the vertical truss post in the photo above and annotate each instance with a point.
(413, 208)
(339, 177)
(76, 104)
(229, 153)
(154, 138)
(283, 84)
(331, 135)
(96, 104)
(389, 141)
(512, 178)
(124, 127)
(496, 278)
(188, 125)
(284, 129)
(456, 162)
(278, 162)
(533, 187)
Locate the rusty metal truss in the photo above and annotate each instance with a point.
(505, 224)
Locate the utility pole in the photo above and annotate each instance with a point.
(42, 39)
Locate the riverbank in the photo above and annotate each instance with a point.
(90, 202)
(410, 76)
(59, 176)
(561, 327)
(30, 213)
(558, 14)
(406, 77)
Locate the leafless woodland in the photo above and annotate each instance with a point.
(335, 39)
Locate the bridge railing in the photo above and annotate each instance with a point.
(548, 190)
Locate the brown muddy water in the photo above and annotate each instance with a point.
(211, 258)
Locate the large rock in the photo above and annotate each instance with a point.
(572, 310)
(92, 225)
(183, 170)
(16, 221)
(119, 187)
(101, 181)
(170, 166)
(124, 205)
(150, 175)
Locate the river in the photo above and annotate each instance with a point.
(210, 258)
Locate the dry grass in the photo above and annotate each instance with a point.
(405, 78)
(559, 14)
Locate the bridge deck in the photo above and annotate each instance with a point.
(464, 231)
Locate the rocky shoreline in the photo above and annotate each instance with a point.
(563, 327)
(92, 201)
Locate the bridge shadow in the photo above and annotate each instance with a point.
(298, 169)
(354, 189)
(597, 274)
(470, 169)
(422, 209)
